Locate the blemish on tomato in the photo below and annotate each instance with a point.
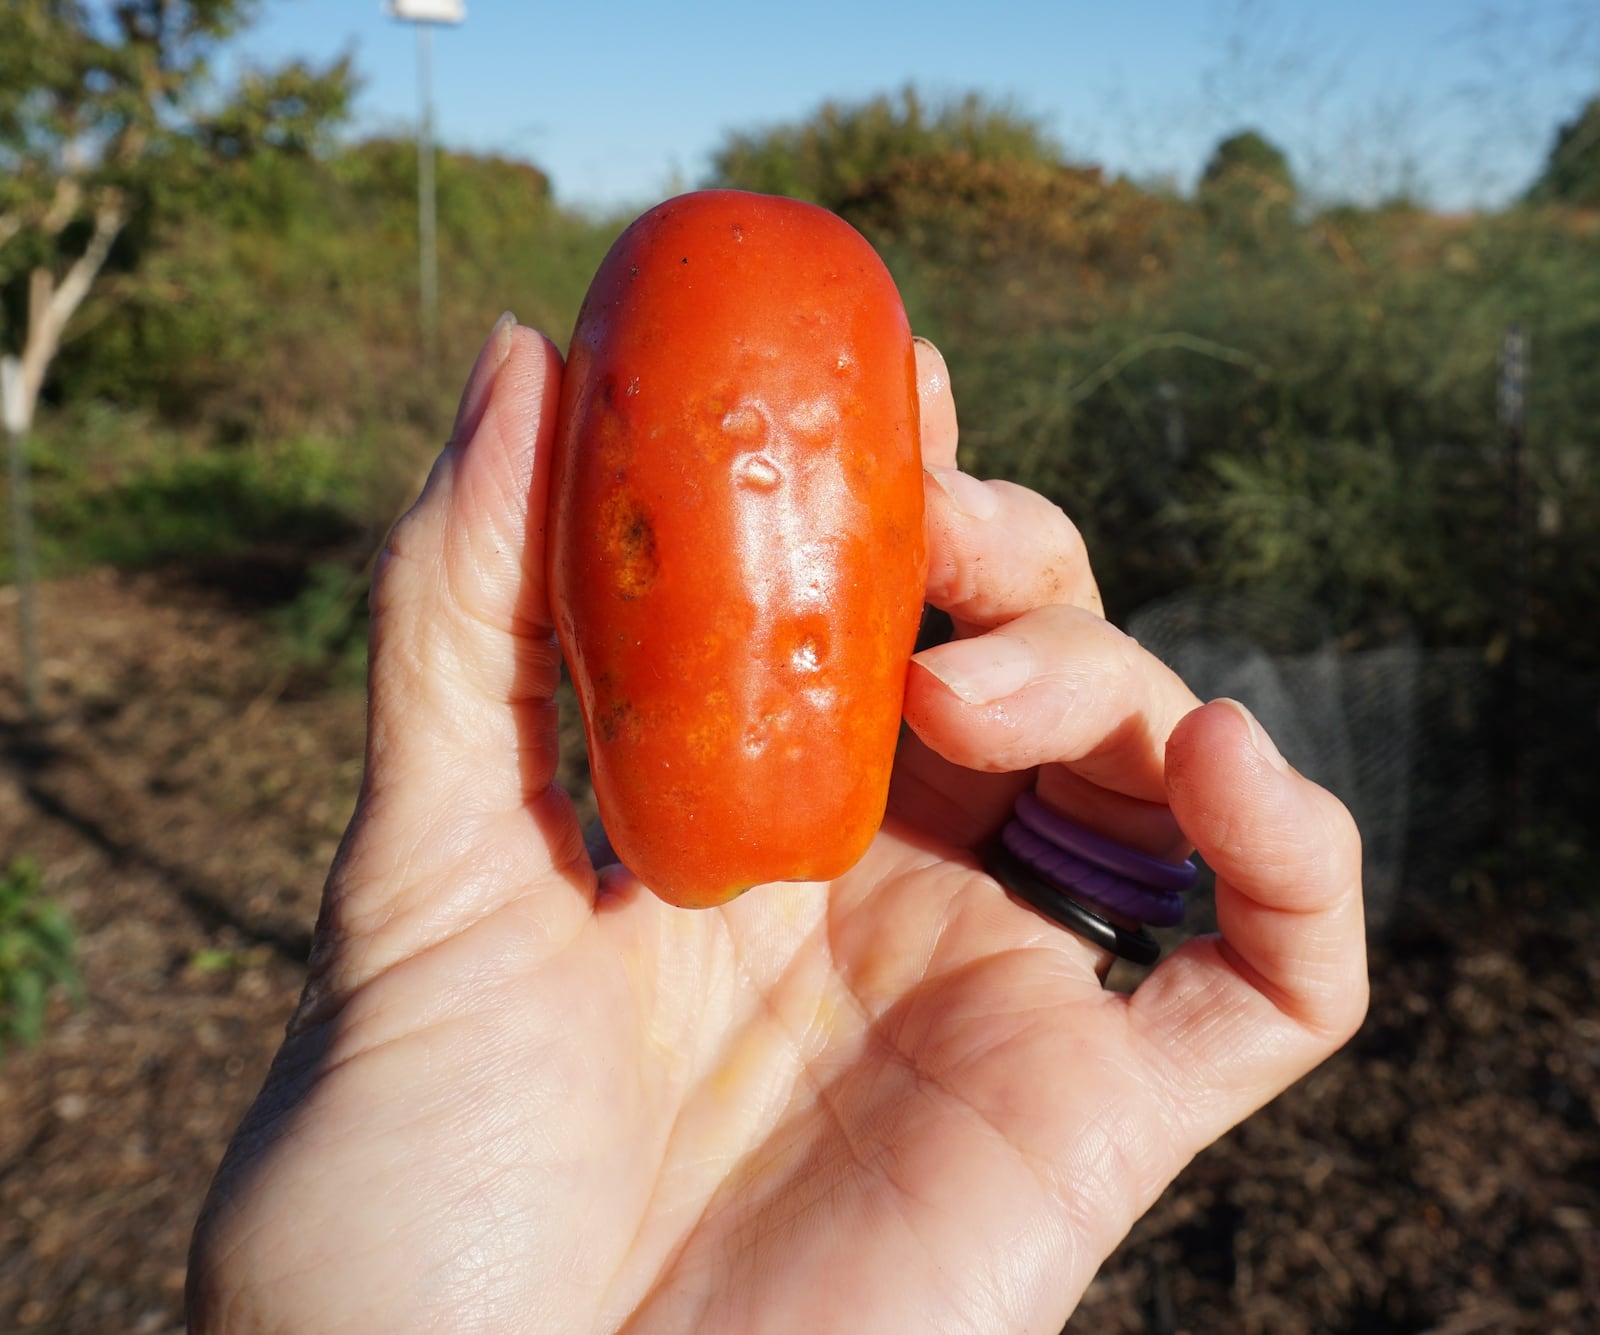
(744, 422)
(618, 722)
(807, 655)
(757, 472)
(626, 529)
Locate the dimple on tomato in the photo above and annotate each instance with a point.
(736, 544)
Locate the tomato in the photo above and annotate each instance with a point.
(736, 552)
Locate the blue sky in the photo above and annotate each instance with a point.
(622, 102)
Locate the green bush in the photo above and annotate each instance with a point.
(115, 488)
(1306, 407)
(286, 301)
(844, 150)
(1571, 173)
(1218, 392)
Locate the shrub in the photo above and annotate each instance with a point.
(37, 954)
(843, 149)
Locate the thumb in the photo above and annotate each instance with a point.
(461, 624)
(458, 813)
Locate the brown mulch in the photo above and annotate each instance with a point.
(1442, 1174)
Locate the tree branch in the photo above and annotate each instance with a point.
(51, 305)
(64, 207)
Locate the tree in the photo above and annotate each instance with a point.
(106, 111)
(1247, 167)
(843, 149)
(1571, 173)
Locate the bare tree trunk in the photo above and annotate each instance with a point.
(50, 306)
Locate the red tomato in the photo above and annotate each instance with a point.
(736, 551)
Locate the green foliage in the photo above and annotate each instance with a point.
(37, 954)
(322, 631)
(228, 959)
(1221, 391)
(1250, 159)
(291, 110)
(1247, 190)
(109, 120)
(1309, 412)
(288, 304)
(202, 507)
(1571, 174)
(840, 151)
(113, 488)
(121, 94)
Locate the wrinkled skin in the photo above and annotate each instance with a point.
(521, 1096)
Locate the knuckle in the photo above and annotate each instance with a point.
(1343, 1008)
(1357, 999)
(392, 572)
(1063, 559)
(1342, 843)
(956, 584)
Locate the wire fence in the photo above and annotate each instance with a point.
(1411, 739)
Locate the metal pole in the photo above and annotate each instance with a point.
(27, 577)
(1514, 615)
(427, 221)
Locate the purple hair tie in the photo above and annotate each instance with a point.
(1107, 889)
(1107, 854)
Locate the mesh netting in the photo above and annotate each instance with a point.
(1347, 720)
(1446, 762)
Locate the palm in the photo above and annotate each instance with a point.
(822, 1086)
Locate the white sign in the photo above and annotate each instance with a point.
(12, 413)
(427, 11)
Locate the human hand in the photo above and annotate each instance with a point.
(518, 1096)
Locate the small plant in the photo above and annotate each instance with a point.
(36, 954)
(323, 631)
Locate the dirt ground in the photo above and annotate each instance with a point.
(1442, 1174)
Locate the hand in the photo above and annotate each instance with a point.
(512, 1100)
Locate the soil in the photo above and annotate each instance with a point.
(1441, 1174)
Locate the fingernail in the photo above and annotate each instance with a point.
(980, 670)
(475, 397)
(933, 376)
(971, 497)
(1263, 744)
